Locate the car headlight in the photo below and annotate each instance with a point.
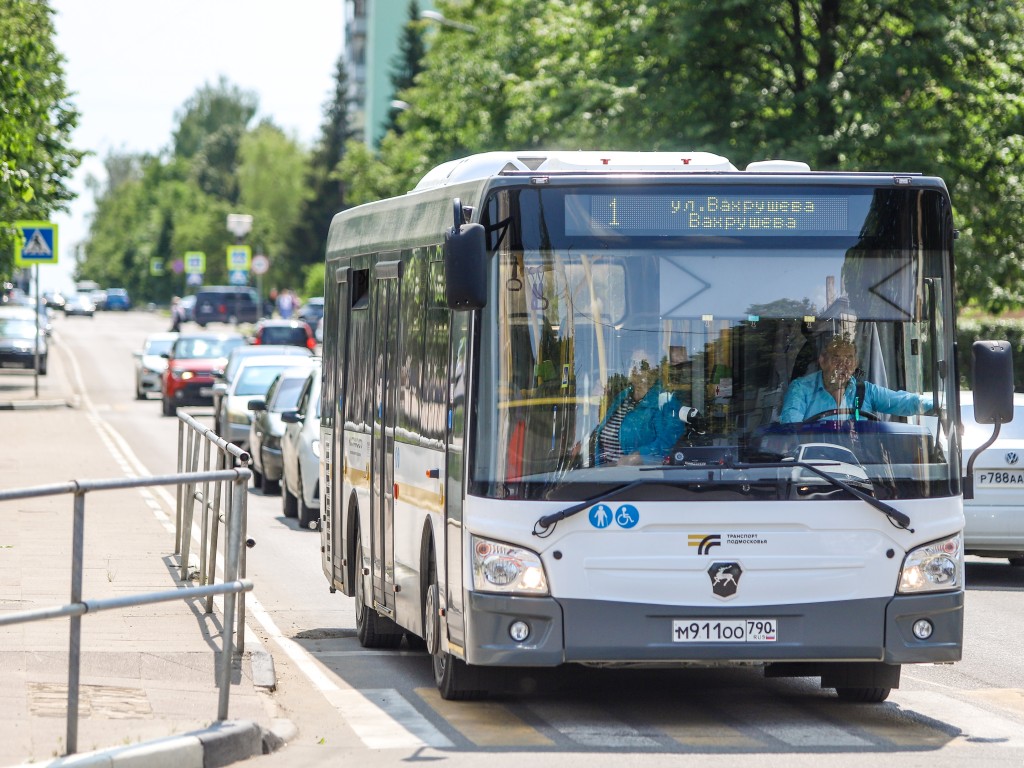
(935, 567)
(505, 568)
(315, 447)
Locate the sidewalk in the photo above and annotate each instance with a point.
(148, 688)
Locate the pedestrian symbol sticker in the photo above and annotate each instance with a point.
(625, 516)
(601, 516)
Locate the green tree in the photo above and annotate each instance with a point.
(37, 118)
(931, 86)
(326, 191)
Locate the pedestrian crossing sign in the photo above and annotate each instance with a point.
(36, 243)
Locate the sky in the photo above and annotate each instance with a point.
(132, 65)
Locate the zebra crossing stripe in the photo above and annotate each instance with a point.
(976, 724)
(485, 723)
(383, 719)
(590, 726)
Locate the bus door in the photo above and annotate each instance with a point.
(458, 390)
(335, 365)
(382, 463)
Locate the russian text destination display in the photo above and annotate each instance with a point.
(715, 213)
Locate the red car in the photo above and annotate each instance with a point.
(289, 332)
(188, 379)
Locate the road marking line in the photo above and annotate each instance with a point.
(485, 723)
(591, 726)
(389, 721)
(976, 724)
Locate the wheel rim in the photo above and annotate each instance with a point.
(430, 620)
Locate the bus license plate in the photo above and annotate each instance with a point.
(1000, 478)
(725, 630)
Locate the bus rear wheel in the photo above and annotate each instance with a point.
(455, 679)
(372, 629)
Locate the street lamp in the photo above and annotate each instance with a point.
(442, 20)
(400, 105)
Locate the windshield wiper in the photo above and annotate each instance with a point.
(898, 518)
(546, 525)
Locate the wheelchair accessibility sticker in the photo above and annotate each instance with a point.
(625, 516)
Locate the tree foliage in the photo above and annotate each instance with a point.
(36, 120)
(930, 86)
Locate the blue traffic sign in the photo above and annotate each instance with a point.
(37, 244)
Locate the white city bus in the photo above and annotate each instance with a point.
(477, 341)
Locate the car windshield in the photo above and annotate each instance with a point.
(256, 379)
(158, 346)
(201, 348)
(16, 327)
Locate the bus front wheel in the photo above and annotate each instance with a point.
(456, 680)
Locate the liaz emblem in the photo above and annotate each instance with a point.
(725, 578)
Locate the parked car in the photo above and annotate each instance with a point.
(79, 304)
(995, 516)
(300, 454)
(267, 429)
(312, 311)
(188, 379)
(24, 310)
(225, 374)
(296, 332)
(252, 379)
(150, 363)
(118, 300)
(226, 304)
(20, 342)
(99, 298)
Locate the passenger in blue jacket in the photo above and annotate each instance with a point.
(642, 423)
(835, 388)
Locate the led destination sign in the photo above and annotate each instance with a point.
(709, 214)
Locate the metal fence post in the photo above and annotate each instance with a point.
(234, 539)
(75, 629)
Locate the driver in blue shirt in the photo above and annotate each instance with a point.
(835, 393)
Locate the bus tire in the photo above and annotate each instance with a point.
(456, 680)
(373, 630)
(864, 695)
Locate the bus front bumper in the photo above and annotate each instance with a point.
(603, 632)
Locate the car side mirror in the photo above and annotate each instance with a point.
(259, 404)
(291, 417)
(220, 388)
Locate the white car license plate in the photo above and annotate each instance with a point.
(725, 630)
(1002, 478)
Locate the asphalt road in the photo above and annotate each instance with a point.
(380, 707)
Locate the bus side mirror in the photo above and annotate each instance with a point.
(993, 381)
(993, 395)
(465, 264)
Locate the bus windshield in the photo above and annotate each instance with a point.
(686, 335)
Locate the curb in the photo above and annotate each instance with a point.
(219, 745)
(31, 405)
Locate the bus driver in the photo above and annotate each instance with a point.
(835, 392)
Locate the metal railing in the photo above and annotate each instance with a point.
(200, 448)
(229, 484)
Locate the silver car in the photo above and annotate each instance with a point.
(994, 522)
(225, 375)
(300, 455)
(252, 379)
(267, 428)
(150, 363)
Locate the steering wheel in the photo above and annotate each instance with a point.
(840, 412)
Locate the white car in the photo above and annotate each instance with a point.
(252, 379)
(995, 516)
(300, 455)
(150, 363)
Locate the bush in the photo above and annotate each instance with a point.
(969, 331)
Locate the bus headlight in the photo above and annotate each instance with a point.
(935, 567)
(505, 568)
